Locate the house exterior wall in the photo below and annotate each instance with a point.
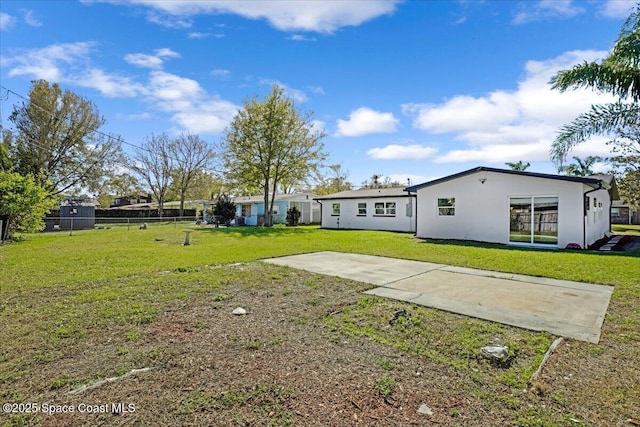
(350, 219)
(597, 219)
(482, 209)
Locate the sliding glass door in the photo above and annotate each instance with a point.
(533, 220)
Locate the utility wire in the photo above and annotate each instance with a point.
(5, 97)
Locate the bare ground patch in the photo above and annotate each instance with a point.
(301, 357)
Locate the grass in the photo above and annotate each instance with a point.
(58, 290)
(626, 229)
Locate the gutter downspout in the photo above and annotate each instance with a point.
(321, 207)
(584, 218)
(415, 216)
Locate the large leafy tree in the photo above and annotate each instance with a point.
(152, 161)
(334, 180)
(57, 139)
(192, 155)
(23, 203)
(268, 143)
(619, 75)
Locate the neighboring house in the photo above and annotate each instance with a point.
(389, 209)
(624, 213)
(250, 209)
(131, 200)
(515, 207)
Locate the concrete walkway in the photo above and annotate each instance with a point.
(569, 309)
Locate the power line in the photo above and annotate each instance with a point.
(119, 138)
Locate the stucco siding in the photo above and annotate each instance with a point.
(351, 218)
(482, 207)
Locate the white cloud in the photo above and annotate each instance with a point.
(190, 107)
(364, 121)
(198, 35)
(317, 16)
(545, 9)
(110, 85)
(618, 8)
(7, 22)
(401, 152)
(31, 20)
(513, 125)
(151, 61)
(47, 63)
(301, 38)
(221, 73)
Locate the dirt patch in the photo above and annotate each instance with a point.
(281, 364)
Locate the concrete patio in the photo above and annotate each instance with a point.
(569, 309)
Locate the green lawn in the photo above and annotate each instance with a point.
(56, 290)
(626, 229)
(52, 259)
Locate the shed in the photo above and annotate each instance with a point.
(77, 217)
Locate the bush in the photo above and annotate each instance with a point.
(293, 216)
(224, 210)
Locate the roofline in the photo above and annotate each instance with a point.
(364, 197)
(580, 179)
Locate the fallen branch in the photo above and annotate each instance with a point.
(551, 349)
(634, 422)
(108, 380)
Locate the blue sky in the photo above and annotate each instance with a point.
(408, 90)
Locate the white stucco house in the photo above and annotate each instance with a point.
(390, 209)
(513, 207)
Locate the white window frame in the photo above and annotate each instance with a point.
(362, 209)
(384, 209)
(335, 209)
(448, 209)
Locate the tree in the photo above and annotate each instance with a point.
(334, 181)
(191, 155)
(378, 181)
(519, 166)
(269, 142)
(5, 162)
(224, 210)
(581, 167)
(56, 139)
(23, 203)
(619, 75)
(153, 162)
(629, 187)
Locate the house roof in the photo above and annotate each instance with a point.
(368, 193)
(278, 197)
(606, 181)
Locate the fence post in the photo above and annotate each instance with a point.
(127, 223)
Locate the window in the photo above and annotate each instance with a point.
(246, 210)
(615, 212)
(533, 220)
(362, 209)
(276, 210)
(385, 208)
(335, 209)
(447, 207)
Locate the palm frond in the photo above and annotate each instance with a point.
(600, 120)
(614, 77)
